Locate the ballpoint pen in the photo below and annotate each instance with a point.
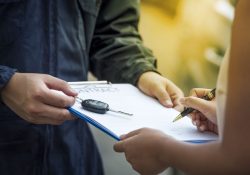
(187, 111)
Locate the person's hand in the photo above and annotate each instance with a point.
(164, 90)
(31, 96)
(143, 149)
(204, 116)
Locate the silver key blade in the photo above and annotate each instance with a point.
(121, 112)
(78, 99)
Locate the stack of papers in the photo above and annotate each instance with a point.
(147, 112)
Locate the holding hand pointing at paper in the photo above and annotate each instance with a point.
(163, 89)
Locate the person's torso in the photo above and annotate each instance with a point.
(47, 36)
(52, 37)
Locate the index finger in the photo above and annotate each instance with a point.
(57, 99)
(60, 85)
(119, 146)
(131, 134)
(199, 92)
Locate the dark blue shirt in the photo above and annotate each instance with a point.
(66, 39)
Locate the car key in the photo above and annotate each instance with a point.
(98, 107)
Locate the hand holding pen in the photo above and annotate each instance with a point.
(203, 111)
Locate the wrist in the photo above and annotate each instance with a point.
(144, 76)
(168, 148)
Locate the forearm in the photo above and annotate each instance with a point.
(117, 52)
(205, 159)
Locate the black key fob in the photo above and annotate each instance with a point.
(95, 106)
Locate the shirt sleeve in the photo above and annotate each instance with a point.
(5, 75)
(117, 53)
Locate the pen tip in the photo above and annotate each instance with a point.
(177, 118)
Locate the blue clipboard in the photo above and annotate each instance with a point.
(130, 94)
(94, 123)
(110, 133)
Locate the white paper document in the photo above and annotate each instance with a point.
(147, 112)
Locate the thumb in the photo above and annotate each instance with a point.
(60, 85)
(119, 146)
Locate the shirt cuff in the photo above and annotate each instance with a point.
(5, 75)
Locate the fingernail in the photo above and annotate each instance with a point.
(169, 103)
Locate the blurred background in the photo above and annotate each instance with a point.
(189, 39)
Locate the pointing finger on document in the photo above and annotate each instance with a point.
(157, 86)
